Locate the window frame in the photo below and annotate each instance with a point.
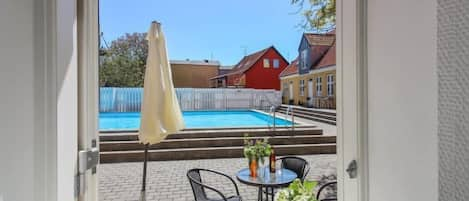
(330, 85)
(266, 62)
(302, 87)
(276, 61)
(351, 20)
(304, 57)
(318, 86)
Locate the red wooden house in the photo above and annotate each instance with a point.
(259, 70)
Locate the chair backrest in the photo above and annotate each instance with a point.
(327, 192)
(296, 164)
(196, 183)
(198, 187)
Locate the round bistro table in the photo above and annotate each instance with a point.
(281, 178)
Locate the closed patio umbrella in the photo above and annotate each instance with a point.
(160, 112)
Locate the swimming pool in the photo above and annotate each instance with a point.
(194, 119)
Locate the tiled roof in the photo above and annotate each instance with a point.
(322, 50)
(320, 39)
(328, 59)
(317, 53)
(249, 60)
(246, 63)
(290, 69)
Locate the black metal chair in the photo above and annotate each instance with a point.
(198, 187)
(323, 189)
(296, 164)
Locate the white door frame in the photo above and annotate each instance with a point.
(70, 61)
(60, 78)
(352, 143)
(351, 92)
(88, 87)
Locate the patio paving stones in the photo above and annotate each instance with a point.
(167, 180)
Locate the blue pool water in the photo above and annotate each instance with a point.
(198, 119)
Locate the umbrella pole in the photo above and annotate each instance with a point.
(145, 160)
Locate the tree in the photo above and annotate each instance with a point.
(123, 63)
(319, 15)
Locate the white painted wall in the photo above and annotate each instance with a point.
(38, 101)
(17, 100)
(403, 163)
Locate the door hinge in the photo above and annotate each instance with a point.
(87, 159)
(352, 169)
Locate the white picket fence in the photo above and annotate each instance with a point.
(192, 99)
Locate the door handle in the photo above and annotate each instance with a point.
(352, 169)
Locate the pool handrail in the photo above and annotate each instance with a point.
(292, 116)
(292, 119)
(272, 113)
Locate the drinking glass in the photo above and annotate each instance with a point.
(279, 169)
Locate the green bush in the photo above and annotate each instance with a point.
(298, 191)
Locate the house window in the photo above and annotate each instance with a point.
(302, 87)
(319, 86)
(330, 85)
(285, 89)
(266, 63)
(276, 63)
(304, 58)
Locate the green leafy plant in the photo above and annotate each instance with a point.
(122, 64)
(297, 191)
(319, 15)
(256, 149)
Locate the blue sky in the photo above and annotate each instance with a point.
(201, 29)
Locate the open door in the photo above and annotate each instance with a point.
(88, 89)
(351, 101)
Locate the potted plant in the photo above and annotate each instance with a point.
(297, 191)
(255, 150)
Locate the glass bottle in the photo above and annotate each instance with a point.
(272, 161)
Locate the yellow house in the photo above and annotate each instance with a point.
(310, 79)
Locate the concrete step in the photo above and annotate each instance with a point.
(308, 113)
(210, 153)
(216, 134)
(313, 118)
(214, 142)
(314, 110)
